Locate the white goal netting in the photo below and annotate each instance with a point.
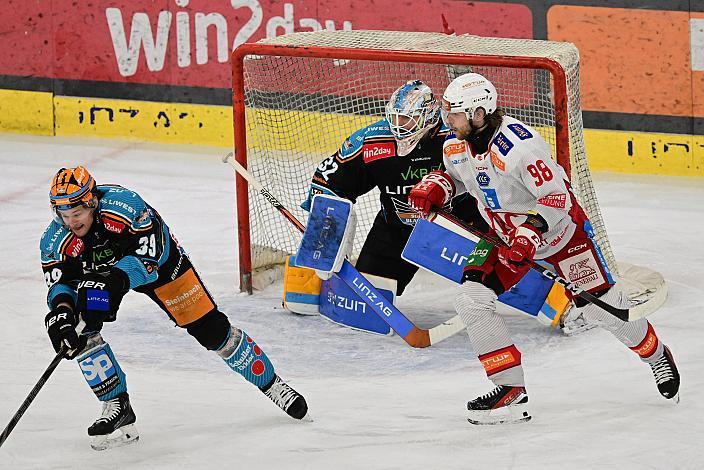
(304, 93)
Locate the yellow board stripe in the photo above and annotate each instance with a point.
(172, 123)
(210, 125)
(26, 112)
(645, 152)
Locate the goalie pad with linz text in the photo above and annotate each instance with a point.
(342, 305)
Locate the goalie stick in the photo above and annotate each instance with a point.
(620, 313)
(406, 329)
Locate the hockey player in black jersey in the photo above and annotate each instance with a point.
(392, 154)
(103, 242)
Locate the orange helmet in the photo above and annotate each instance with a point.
(72, 187)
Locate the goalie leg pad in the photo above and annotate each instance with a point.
(245, 357)
(341, 305)
(556, 305)
(101, 370)
(301, 289)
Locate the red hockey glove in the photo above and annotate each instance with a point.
(433, 191)
(522, 245)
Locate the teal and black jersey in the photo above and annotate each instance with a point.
(368, 159)
(127, 234)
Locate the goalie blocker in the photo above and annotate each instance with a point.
(329, 235)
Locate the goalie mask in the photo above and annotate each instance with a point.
(411, 111)
(466, 93)
(72, 187)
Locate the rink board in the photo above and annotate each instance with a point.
(210, 125)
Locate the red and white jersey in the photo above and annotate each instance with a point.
(515, 177)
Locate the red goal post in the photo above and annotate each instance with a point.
(297, 97)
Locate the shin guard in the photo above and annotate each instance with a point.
(101, 370)
(247, 359)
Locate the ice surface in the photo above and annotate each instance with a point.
(377, 403)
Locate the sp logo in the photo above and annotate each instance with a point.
(97, 368)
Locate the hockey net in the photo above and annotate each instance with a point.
(297, 97)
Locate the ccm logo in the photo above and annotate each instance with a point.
(577, 248)
(325, 232)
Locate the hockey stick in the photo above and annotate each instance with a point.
(40, 383)
(620, 313)
(414, 336)
(244, 173)
(32, 395)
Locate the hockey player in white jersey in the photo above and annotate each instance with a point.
(414, 135)
(104, 241)
(526, 198)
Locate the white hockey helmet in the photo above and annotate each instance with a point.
(466, 93)
(411, 111)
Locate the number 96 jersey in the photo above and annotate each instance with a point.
(515, 178)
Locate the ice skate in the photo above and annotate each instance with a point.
(504, 404)
(286, 398)
(115, 427)
(666, 376)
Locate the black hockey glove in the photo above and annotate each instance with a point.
(61, 327)
(99, 296)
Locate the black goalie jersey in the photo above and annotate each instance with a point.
(368, 159)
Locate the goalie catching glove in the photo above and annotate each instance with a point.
(432, 192)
